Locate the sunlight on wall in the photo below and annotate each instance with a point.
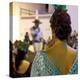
(15, 28)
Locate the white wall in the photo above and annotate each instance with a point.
(73, 12)
(32, 6)
(25, 26)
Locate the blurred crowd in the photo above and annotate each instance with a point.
(73, 40)
(19, 51)
(20, 57)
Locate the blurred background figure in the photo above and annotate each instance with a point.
(20, 60)
(37, 36)
(26, 38)
(73, 40)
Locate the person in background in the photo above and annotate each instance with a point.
(73, 40)
(26, 38)
(36, 35)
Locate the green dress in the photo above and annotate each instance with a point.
(42, 66)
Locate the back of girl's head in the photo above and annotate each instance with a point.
(61, 24)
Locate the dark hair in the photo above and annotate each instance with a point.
(20, 56)
(61, 24)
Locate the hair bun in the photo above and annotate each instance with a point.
(63, 18)
(61, 24)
